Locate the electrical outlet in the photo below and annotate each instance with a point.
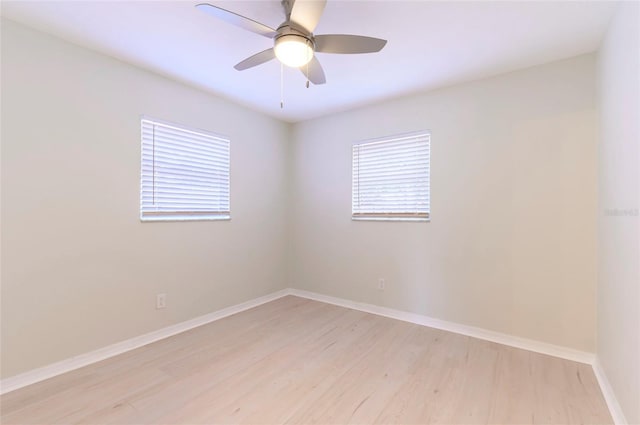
(381, 284)
(161, 301)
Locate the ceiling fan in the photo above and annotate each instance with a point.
(294, 43)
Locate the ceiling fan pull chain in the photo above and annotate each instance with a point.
(308, 74)
(281, 86)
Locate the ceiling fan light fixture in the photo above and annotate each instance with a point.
(293, 50)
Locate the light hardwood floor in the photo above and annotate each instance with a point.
(299, 361)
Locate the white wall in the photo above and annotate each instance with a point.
(79, 269)
(512, 242)
(619, 201)
(511, 246)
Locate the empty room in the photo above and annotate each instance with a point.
(328, 212)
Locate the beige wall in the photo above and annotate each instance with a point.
(79, 269)
(511, 246)
(619, 200)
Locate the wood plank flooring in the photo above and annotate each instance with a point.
(296, 361)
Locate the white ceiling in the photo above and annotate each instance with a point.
(431, 44)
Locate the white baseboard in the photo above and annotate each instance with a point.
(500, 338)
(609, 396)
(49, 371)
(58, 368)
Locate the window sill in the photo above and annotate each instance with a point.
(185, 218)
(415, 219)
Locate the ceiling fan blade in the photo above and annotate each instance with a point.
(307, 13)
(344, 43)
(237, 20)
(316, 73)
(255, 60)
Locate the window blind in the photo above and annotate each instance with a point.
(185, 174)
(391, 178)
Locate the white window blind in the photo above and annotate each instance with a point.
(391, 178)
(185, 173)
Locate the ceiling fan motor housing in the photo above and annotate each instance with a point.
(294, 47)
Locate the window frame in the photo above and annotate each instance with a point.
(400, 216)
(181, 216)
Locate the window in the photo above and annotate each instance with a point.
(185, 174)
(391, 178)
